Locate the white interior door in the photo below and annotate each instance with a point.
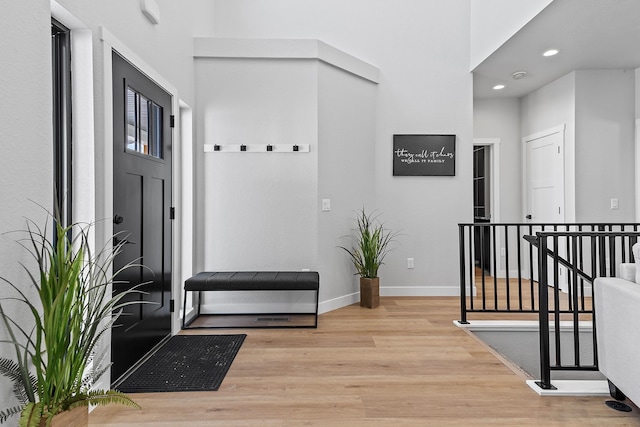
(544, 186)
(545, 178)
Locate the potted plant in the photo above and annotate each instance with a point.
(55, 356)
(369, 247)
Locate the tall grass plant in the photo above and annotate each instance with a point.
(370, 244)
(56, 360)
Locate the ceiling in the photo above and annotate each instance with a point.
(590, 34)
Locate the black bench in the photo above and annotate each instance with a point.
(251, 281)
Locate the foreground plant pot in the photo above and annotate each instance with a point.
(77, 417)
(369, 292)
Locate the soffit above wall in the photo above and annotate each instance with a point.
(590, 34)
(209, 47)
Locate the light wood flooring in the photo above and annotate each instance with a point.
(523, 295)
(402, 364)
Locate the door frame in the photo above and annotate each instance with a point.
(494, 175)
(637, 177)
(494, 197)
(561, 180)
(82, 124)
(104, 172)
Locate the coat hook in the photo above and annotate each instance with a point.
(269, 147)
(295, 148)
(243, 147)
(216, 147)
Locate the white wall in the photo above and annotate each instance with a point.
(637, 93)
(597, 107)
(262, 211)
(493, 22)
(546, 108)
(637, 142)
(605, 145)
(260, 208)
(346, 176)
(25, 138)
(166, 47)
(422, 51)
(500, 118)
(25, 101)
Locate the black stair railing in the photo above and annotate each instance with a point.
(561, 259)
(605, 251)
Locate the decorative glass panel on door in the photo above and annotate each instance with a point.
(155, 138)
(132, 122)
(144, 125)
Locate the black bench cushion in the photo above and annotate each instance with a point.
(254, 281)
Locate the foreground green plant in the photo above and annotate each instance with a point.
(370, 244)
(55, 357)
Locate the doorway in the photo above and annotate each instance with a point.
(545, 189)
(545, 177)
(482, 205)
(142, 213)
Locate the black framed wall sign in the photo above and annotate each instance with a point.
(424, 155)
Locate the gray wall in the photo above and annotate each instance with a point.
(597, 107)
(25, 138)
(25, 103)
(493, 22)
(262, 211)
(605, 145)
(422, 51)
(346, 138)
(500, 118)
(546, 108)
(259, 208)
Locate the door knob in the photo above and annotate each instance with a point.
(528, 216)
(117, 219)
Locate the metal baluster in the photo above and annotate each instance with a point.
(463, 285)
(543, 316)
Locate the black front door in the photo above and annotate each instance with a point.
(141, 204)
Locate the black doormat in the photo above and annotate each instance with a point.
(185, 363)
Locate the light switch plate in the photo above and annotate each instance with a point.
(326, 205)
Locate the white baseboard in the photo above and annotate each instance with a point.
(520, 325)
(390, 291)
(573, 388)
(336, 303)
(296, 306)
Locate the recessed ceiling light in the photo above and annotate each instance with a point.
(550, 52)
(498, 87)
(519, 75)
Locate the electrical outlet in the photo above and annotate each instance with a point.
(409, 262)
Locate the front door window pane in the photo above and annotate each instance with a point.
(144, 125)
(155, 140)
(132, 123)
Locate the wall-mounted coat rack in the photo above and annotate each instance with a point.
(256, 148)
